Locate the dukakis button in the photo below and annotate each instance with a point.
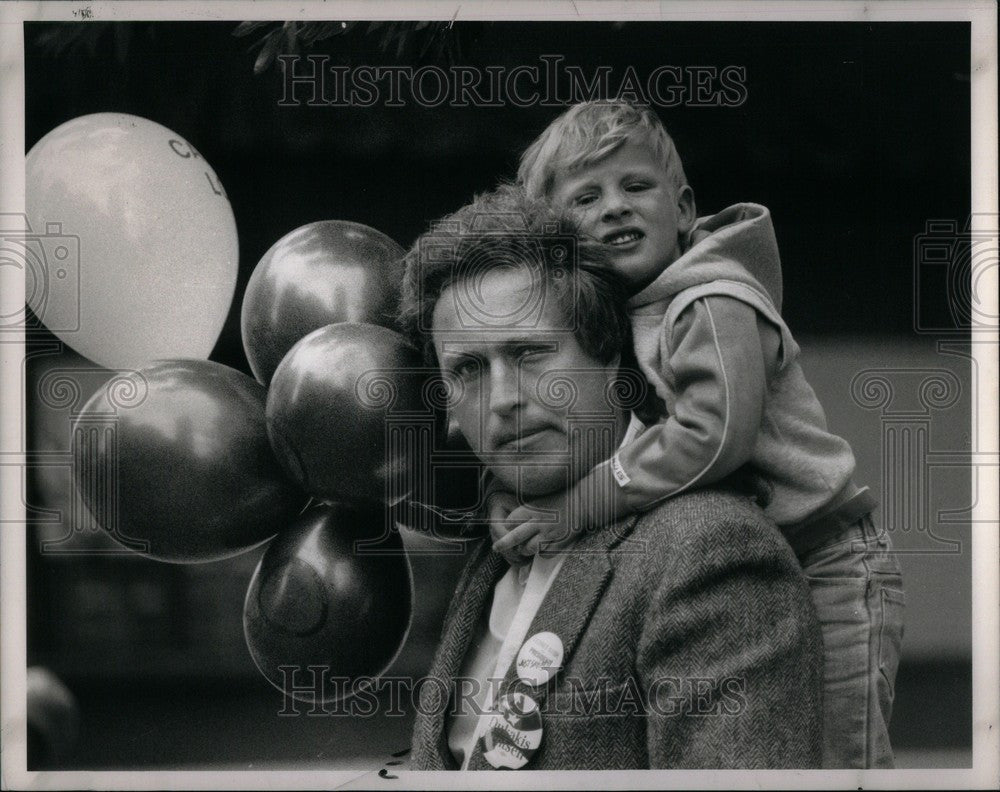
(514, 732)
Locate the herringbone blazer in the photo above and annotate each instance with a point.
(689, 639)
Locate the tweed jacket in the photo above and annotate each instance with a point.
(690, 641)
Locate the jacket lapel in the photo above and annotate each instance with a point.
(567, 608)
(471, 602)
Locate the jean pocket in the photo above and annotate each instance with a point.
(890, 640)
(842, 560)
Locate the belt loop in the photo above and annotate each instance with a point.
(808, 536)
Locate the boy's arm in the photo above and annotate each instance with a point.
(722, 354)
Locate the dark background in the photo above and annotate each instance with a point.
(854, 135)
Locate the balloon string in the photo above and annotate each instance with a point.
(451, 515)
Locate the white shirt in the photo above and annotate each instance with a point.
(516, 599)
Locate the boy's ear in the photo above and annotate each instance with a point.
(686, 212)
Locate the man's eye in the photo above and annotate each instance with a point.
(531, 352)
(468, 367)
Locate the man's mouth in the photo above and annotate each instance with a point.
(516, 440)
(622, 237)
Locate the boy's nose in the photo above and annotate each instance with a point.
(615, 206)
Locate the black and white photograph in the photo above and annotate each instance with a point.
(601, 393)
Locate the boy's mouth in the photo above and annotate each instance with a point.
(622, 237)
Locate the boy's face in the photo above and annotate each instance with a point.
(627, 202)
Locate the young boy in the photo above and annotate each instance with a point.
(708, 336)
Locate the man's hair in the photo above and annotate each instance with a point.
(590, 131)
(506, 228)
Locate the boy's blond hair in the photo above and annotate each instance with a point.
(504, 228)
(588, 132)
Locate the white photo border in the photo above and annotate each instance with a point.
(985, 772)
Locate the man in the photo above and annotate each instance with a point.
(681, 638)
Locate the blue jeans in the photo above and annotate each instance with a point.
(857, 590)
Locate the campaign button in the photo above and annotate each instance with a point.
(514, 732)
(540, 658)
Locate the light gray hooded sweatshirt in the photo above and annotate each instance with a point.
(710, 339)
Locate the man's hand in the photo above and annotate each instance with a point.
(543, 527)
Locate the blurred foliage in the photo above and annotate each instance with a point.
(415, 41)
(412, 40)
(86, 38)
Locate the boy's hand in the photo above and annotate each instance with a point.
(500, 505)
(696, 236)
(529, 531)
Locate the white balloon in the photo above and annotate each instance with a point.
(132, 254)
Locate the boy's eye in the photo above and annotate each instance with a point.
(584, 199)
(637, 186)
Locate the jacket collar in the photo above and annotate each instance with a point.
(566, 610)
(471, 601)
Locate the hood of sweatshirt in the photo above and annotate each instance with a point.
(737, 244)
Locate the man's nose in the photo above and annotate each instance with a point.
(505, 390)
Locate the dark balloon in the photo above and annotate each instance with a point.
(334, 590)
(181, 469)
(448, 502)
(351, 414)
(321, 273)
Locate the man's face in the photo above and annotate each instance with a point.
(626, 201)
(531, 403)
